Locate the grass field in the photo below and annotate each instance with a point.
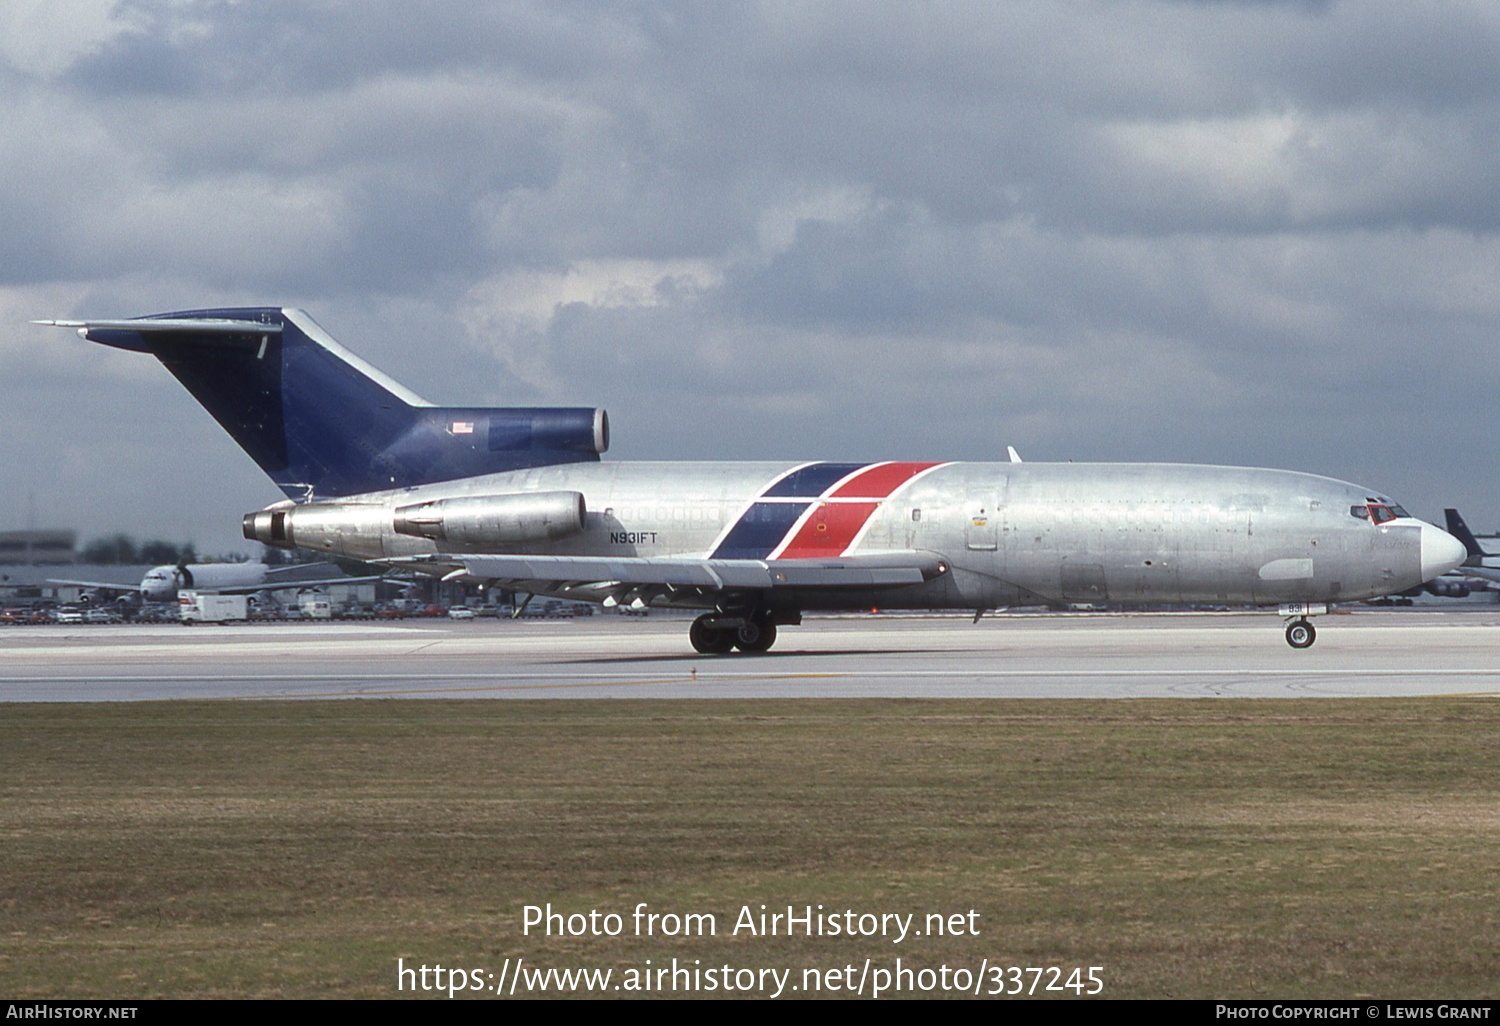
(1190, 848)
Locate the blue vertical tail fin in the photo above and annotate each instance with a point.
(322, 423)
(1460, 530)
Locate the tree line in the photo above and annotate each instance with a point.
(123, 549)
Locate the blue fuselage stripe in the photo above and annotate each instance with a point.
(811, 481)
(765, 524)
(760, 530)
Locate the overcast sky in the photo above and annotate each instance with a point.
(1236, 232)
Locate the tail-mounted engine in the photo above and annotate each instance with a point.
(469, 523)
(494, 519)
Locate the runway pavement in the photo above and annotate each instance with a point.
(1366, 653)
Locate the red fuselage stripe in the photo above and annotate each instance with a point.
(830, 530)
(879, 481)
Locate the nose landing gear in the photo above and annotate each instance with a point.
(1299, 630)
(1300, 634)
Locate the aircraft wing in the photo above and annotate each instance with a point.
(876, 570)
(101, 585)
(276, 585)
(1483, 573)
(292, 568)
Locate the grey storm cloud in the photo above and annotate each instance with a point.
(1223, 232)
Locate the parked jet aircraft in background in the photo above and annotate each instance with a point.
(161, 583)
(1477, 563)
(518, 497)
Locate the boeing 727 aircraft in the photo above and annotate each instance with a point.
(519, 497)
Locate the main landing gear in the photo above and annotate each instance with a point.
(713, 634)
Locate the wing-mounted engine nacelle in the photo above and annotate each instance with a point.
(495, 519)
(1447, 588)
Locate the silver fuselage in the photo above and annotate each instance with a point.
(1011, 533)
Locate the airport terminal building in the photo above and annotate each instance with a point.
(38, 548)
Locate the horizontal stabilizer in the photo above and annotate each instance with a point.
(885, 570)
(198, 325)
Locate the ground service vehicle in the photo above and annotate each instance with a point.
(210, 607)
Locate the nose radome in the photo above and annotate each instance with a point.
(1441, 552)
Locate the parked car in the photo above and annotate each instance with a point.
(460, 613)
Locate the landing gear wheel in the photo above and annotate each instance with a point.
(710, 640)
(1300, 634)
(756, 637)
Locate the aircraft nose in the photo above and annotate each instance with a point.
(1441, 552)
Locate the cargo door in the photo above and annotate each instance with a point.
(982, 521)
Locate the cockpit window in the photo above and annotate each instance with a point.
(1377, 513)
